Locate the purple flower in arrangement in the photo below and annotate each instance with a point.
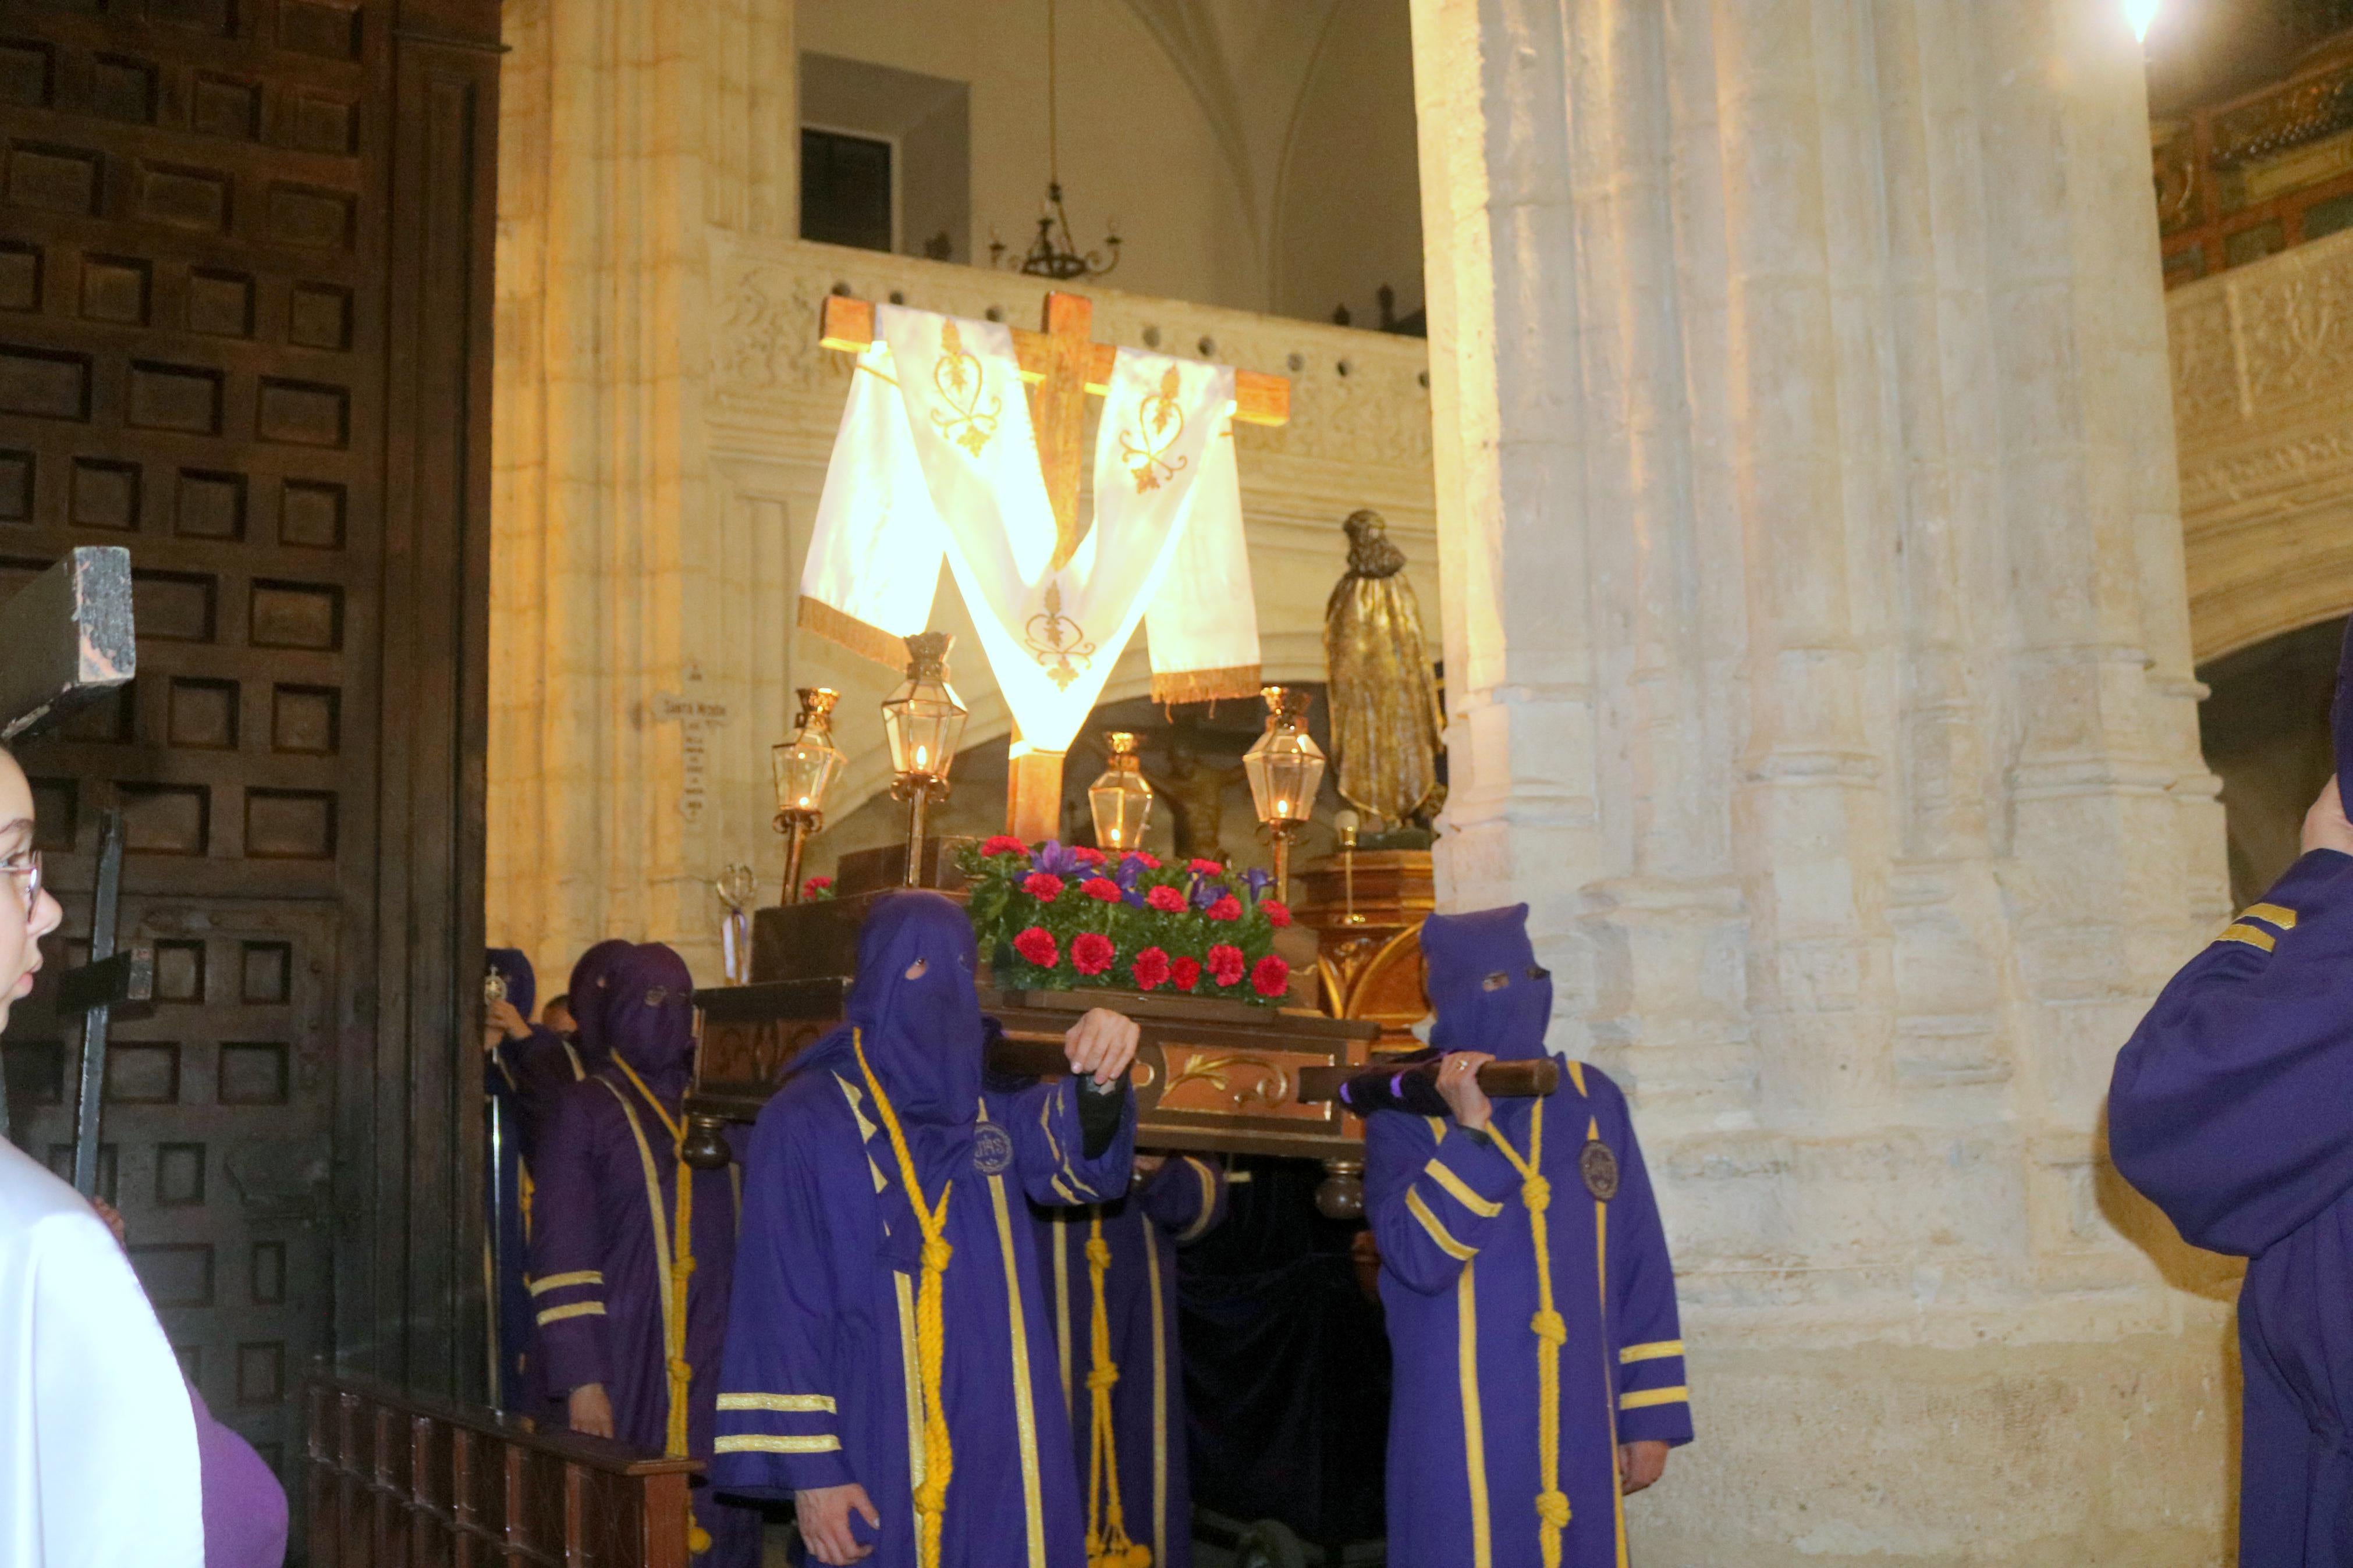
(1259, 881)
(1058, 859)
(1128, 871)
(1207, 892)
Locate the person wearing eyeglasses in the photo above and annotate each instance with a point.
(1531, 1303)
(106, 1455)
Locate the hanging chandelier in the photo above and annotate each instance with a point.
(1053, 253)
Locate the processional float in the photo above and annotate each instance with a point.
(937, 460)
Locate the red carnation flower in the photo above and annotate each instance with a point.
(1086, 856)
(1185, 973)
(1226, 908)
(1091, 952)
(816, 887)
(1043, 886)
(1102, 890)
(1277, 912)
(1271, 977)
(1037, 946)
(1149, 862)
(1207, 868)
(1150, 969)
(1004, 844)
(1167, 900)
(1226, 965)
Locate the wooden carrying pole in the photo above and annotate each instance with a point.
(1032, 1057)
(1060, 366)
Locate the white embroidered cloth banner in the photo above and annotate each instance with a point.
(936, 456)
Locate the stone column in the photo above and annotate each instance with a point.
(1818, 671)
(628, 133)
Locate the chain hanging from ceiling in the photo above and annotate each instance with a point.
(1053, 253)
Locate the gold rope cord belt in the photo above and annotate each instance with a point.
(931, 1332)
(1107, 1542)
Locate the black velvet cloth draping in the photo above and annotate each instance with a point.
(1286, 1363)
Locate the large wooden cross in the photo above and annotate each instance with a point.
(66, 639)
(1060, 366)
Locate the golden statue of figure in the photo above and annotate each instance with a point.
(1385, 724)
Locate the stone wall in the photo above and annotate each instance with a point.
(2262, 355)
(1812, 577)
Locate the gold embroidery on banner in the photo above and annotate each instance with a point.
(957, 376)
(1160, 424)
(1205, 685)
(1056, 640)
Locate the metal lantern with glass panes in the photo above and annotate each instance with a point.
(925, 720)
(805, 768)
(1119, 799)
(1285, 768)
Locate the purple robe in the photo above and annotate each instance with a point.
(1181, 1201)
(822, 1387)
(244, 1507)
(603, 1214)
(521, 1078)
(1461, 1284)
(2231, 1109)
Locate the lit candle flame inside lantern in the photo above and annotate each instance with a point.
(2140, 14)
(1119, 800)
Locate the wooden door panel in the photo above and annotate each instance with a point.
(199, 288)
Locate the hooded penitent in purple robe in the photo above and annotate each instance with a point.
(1477, 1478)
(244, 1507)
(604, 1224)
(825, 1384)
(1139, 1233)
(2231, 1109)
(521, 1078)
(591, 978)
